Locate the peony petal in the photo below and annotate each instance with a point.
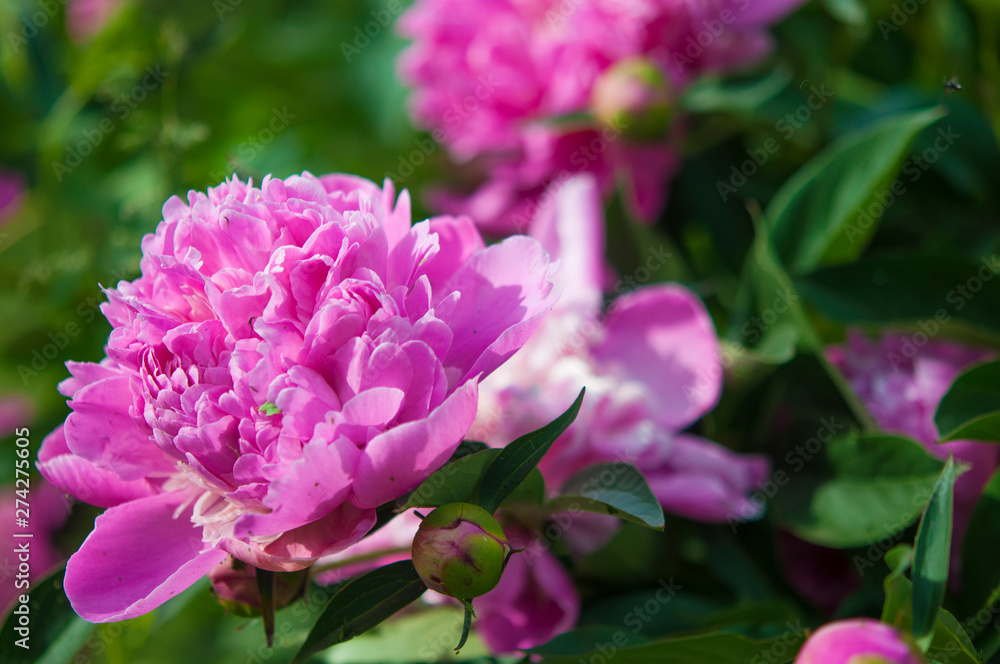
(100, 430)
(138, 556)
(305, 490)
(505, 291)
(82, 479)
(663, 337)
(707, 482)
(399, 459)
(571, 228)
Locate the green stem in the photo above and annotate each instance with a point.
(319, 569)
(466, 623)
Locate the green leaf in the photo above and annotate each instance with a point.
(361, 604)
(815, 218)
(878, 487)
(971, 408)
(718, 648)
(979, 550)
(711, 95)
(56, 634)
(459, 481)
(891, 288)
(617, 489)
(428, 635)
(851, 12)
(949, 643)
(932, 552)
(516, 461)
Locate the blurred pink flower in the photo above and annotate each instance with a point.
(292, 357)
(902, 384)
(534, 601)
(824, 576)
(511, 83)
(11, 195)
(855, 641)
(85, 18)
(651, 367)
(48, 509)
(15, 413)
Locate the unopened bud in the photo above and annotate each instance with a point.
(234, 584)
(460, 550)
(634, 96)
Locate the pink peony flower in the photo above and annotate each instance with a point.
(85, 18)
(48, 509)
(534, 602)
(292, 357)
(651, 366)
(512, 84)
(857, 641)
(11, 195)
(389, 544)
(902, 386)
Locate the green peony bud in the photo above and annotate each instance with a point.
(460, 550)
(634, 96)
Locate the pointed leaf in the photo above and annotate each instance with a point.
(931, 553)
(893, 287)
(876, 480)
(617, 489)
(361, 604)
(459, 481)
(950, 642)
(971, 408)
(979, 551)
(516, 461)
(815, 216)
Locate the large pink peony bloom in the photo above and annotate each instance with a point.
(857, 641)
(499, 80)
(651, 367)
(292, 357)
(902, 386)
